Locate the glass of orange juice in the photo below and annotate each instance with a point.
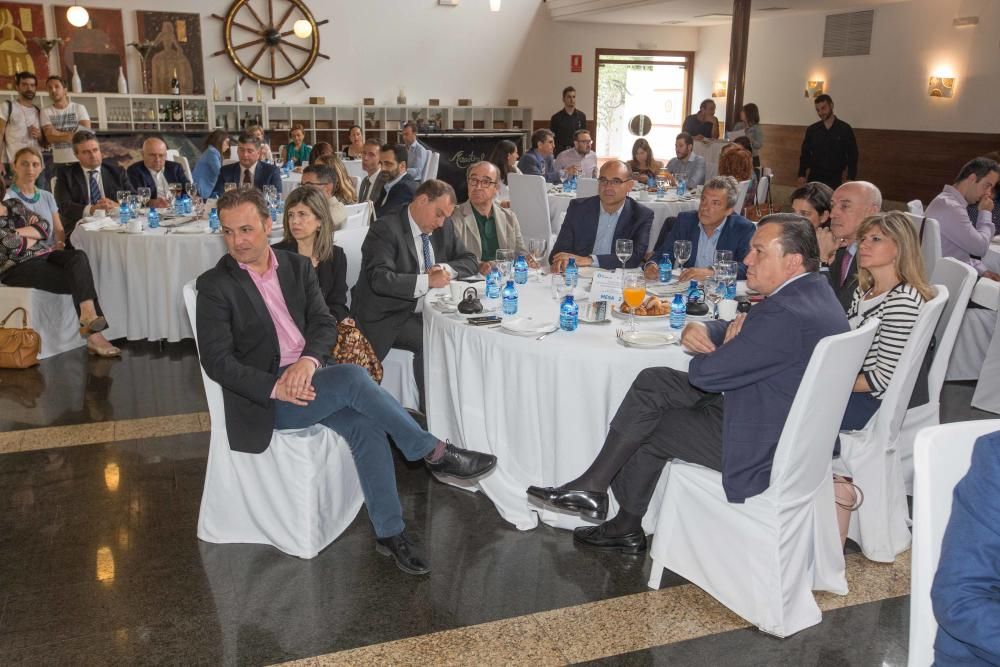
(633, 293)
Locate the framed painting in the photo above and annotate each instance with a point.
(176, 46)
(20, 25)
(97, 49)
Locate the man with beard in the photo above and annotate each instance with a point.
(20, 120)
(61, 120)
(397, 185)
(828, 149)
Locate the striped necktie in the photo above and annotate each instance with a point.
(427, 251)
(95, 190)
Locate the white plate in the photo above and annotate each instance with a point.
(618, 313)
(486, 312)
(526, 326)
(443, 307)
(647, 339)
(666, 289)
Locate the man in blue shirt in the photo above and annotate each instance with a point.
(416, 153)
(538, 161)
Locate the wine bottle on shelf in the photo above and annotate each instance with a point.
(175, 85)
(122, 83)
(178, 114)
(215, 90)
(164, 116)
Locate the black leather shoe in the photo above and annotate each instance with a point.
(594, 536)
(404, 552)
(462, 463)
(588, 503)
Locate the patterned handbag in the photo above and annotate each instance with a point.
(353, 348)
(19, 347)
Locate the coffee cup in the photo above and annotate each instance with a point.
(644, 195)
(457, 288)
(99, 213)
(727, 309)
(134, 226)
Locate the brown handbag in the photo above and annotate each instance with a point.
(353, 348)
(18, 347)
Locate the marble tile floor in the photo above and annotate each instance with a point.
(99, 563)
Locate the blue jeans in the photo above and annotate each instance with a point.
(349, 402)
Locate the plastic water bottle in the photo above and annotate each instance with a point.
(571, 273)
(493, 280)
(695, 294)
(289, 166)
(213, 220)
(666, 269)
(570, 184)
(153, 218)
(520, 270)
(274, 213)
(510, 299)
(651, 181)
(124, 213)
(569, 314)
(678, 312)
(681, 186)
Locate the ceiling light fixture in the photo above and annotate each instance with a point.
(494, 5)
(302, 29)
(77, 16)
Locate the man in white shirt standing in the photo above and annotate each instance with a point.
(579, 160)
(61, 120)
(20, 120)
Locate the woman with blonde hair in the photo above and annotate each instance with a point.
(309, 231)
(344, 190)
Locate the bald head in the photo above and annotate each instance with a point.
(852, 203)
(154, 153)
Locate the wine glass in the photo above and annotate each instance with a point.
(537, 248)
(144, 194)
(723, 256)
(560, 289)
(175, 190)
(682, 252)
(712, 286)
(623, 249)
(633, 293)
(229, 186)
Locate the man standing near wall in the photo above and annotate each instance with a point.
(567, 120)
(829, 148)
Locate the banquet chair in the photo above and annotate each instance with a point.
(431, 168)
(871, 455)
(942, 455)
(357, 183)
(916, 207)
(929, 232)
(298, 495)
(586, 187)
(530, 203)
(175, 155)
(959, 278)
(741, 197)
(789, 541)
(52, 316)
(763, 194)
(357, 216)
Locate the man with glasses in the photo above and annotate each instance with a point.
(593, 224)
(325, 178)
(579, 160)
(482, 225)
(249, 171)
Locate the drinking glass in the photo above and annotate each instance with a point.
(633, 293)
(229, 186)
(123, 196)
(537, 248)
(560, 289)
(712, 286)
(270, 194)
(682, 252)
(191, 189)
(623, 249)
(505, 262)
(144, 195)
(723, 256)
(175, 189)
(727, 273)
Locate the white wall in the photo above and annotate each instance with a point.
(886, 89)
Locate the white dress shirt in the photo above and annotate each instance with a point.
(100, 186)
(423, 280)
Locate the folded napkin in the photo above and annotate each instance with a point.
(92, 224)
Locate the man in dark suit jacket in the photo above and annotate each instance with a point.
(89, 184)
(249, 169)
(156, 172)
(539, 161)
(716, 220)
(408, 252)
(757, 360)
(398, 187)
(838, 245)
(372, 184)
(264, 334)
(593, 224)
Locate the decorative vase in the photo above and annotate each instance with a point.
(401, 98)
(76, 83)
(122, 83)
(260, 93)
(215, 90)
(237, 91)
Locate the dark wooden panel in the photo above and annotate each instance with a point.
(904, 164)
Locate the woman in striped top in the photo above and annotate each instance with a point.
(891, 287)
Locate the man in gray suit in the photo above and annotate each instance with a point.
(409, 251)
(482, 225)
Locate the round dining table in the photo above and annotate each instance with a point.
(663, 208)
(541, 406)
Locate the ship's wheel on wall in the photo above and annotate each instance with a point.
(263, 40)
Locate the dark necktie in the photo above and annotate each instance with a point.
(365, 187)
(427, 251)
(246, 177)
(95, 190)
(845, 266)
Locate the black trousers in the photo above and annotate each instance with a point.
(411, 339)
(663, 417)
(59, 272)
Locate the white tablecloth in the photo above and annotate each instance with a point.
(710, 150)
(139, 277)
(558, 203)
(541, 406)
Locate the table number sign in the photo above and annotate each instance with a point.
(607, 286)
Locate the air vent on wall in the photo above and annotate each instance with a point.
(848, 34)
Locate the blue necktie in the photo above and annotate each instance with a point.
(95, 191)
(427, 251)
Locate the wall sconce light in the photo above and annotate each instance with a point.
(939, 86)
(302, 29)
(494, 5)
(815, 88)
(719, 88)
(77, 16)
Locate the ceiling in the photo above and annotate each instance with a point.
(694, 13)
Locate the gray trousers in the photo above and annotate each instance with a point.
(663, 417)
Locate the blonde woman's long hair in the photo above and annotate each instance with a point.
(345, 191)
(315, 200)
(909, 262)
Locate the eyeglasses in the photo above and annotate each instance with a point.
(481, 182)
(617, 182)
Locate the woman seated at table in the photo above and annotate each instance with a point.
(206, 172)
(321, 149)
(297, 150)
(344, 189)
(643, 164)
(28, 259)
(813, 202)
(28, 164)
(309, 232)
(505, 157)
(352, 151)
(265, 149)
(735, 161)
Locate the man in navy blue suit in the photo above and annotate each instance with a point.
(156, 172)
(712, 227)
(965, 591)
(757, 361)
(249, 171)
(593, 224)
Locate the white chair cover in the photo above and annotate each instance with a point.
(941, 458)
(763, 558)
(431, 168)
(987, 394)
(51, 315)
(742, 196)
(871, 455)
(350, 239)
(763, 190)
(930, 245)
(530, 204)
(959, 278)
(298, 495)
(586, 187)
(357, 183)
(916, 207)
(358, 216)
